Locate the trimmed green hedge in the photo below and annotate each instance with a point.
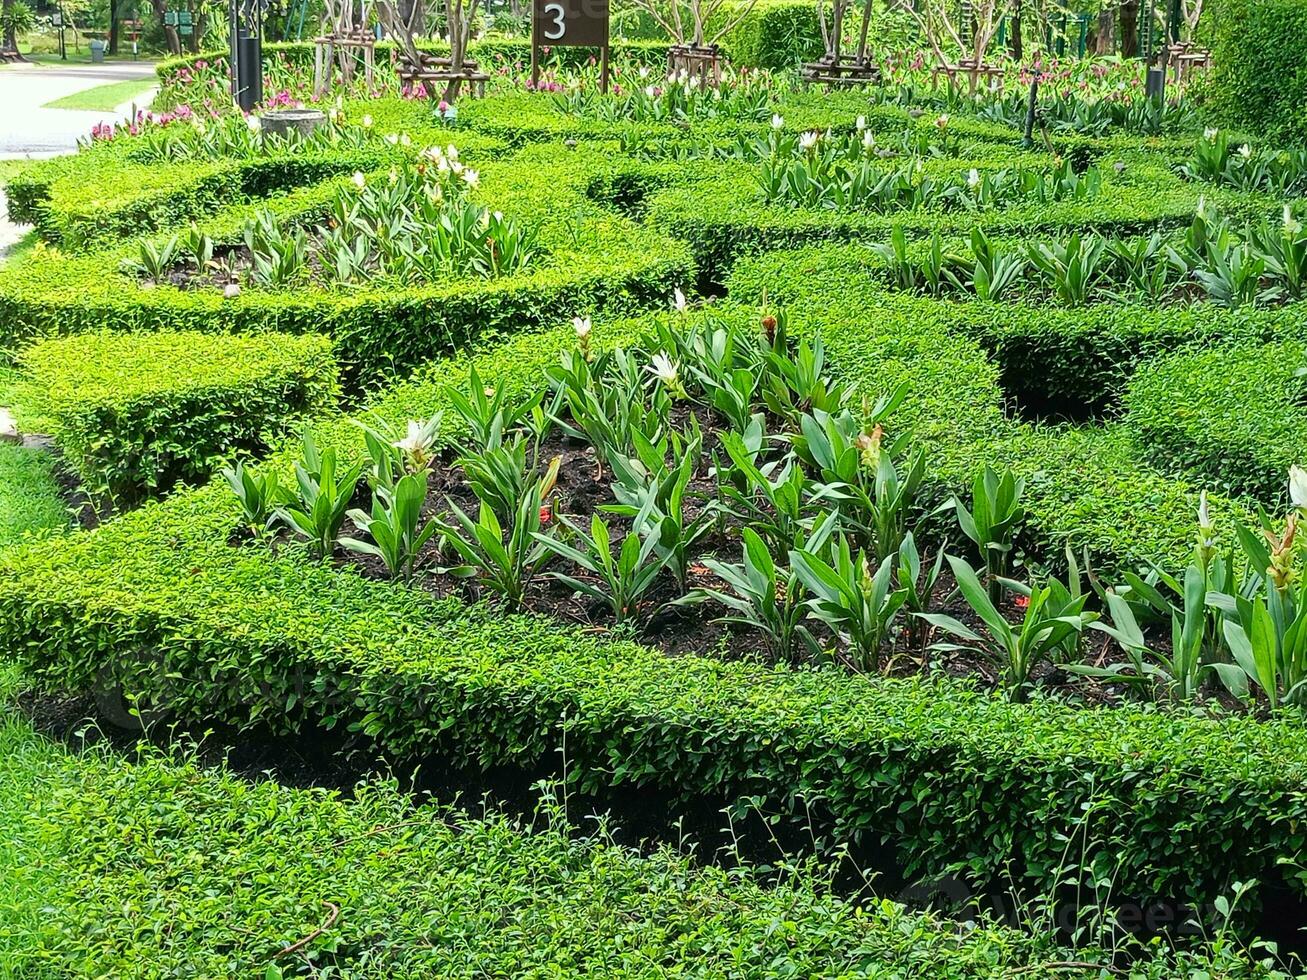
(135, 414)
(775, 35)
(1232, 417)
(1259, 66)
(156, 867)
(249, 635)
(592, 259)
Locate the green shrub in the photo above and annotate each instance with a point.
(1259, 66)
(156, 867)
(136, 413)
(1233, 418)
(775, 34)
(256, 636)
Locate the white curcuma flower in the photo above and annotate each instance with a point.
(861, 123)
(253, 122)
(405, 139)
(358, 180)
(1245, 151)
(649, 91)
(451, 151)
(644, 71)
(678, 301)
(868, 139)
(1291, 224)
(392, 138)
(1298, 487)
(809, 139)
(366, 122)
(1210, 133)
(231, 290)
(414, 441)
(471, 177)
(581, 324)
(1204, 518)
(973, 178)
(664, 369)
(433, 153)
(777, 121)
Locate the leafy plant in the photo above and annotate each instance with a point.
(1046, 626)
(849, 599)
(992, 521)
(260, 494)
(504, 556)
(395, 525)
(324, 493)
(618, 582)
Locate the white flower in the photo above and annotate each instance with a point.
(416, 441)
(366, 122)
(973, 178)
(777, 122)
(1291, 224)
(433, 153)
(1245, 151)
(231, 290)
(678, 301)
(471, 177)
(253, 122)
(868, 139)
(693, 82)
(498, 215)
(649, 91)
(664, 369)
(1298, 486)
(581, 324)
(1210, 133)
(358, 180)
(1202, 203)
(392, 138)
(405, 140)
(394, 176)
(1204, 519)
(644, 71)
(808, 140)
(861, 123)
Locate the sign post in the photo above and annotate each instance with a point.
(570, 23)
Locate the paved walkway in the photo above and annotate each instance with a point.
(27, 129)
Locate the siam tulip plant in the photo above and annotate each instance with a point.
(917, 581)
(487, 412)
(621, 582)
(992, 522)
(260, 494)
(325, 490)
(395, 525)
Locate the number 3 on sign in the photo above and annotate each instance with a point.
(558, 28)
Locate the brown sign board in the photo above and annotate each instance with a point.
(569, 23)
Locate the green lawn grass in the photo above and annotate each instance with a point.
(104, 98)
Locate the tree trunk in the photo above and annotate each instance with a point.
(1105, 34)
(1014, 26)
(9, 43)
(1130, 28)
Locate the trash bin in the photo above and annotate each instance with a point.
(97, 50)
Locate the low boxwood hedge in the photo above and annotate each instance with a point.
(136, 413)
(1231, 417)
(592, 259)
(155, 867)
(248, 635)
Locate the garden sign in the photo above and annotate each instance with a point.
(569, 23)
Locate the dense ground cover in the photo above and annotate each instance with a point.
(895, 394)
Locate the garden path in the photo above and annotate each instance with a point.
(29, 129)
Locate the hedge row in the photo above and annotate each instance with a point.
(155, 867)
(249, 635)
(591, 259)
(1259, 66)
(1232, 417)
(135, 414)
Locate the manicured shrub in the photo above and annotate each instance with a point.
(1259, 66)
(1231, 417)
(775, 34)
(136, 413)
(156, 867)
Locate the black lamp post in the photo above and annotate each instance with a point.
(246, 57)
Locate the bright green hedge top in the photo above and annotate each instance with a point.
(1231, 417)
(111, 371)
(156, 867)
